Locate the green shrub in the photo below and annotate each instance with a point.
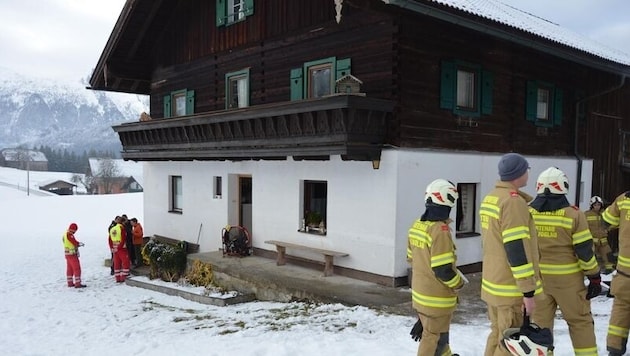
(166, 261)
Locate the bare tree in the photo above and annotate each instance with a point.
(85, 180)
(108, 173)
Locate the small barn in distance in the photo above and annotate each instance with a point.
(24, 159)
(59, 187)
(114, 176)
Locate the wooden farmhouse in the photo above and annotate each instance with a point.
(114, 176)
(248, 129)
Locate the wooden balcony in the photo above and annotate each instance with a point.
(352, 126)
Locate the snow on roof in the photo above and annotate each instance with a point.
(126, 168)
(18, 154)
(496, 10)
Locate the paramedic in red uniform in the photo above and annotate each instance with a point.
(118, 246)
(71, 250)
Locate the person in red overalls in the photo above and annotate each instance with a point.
(118, 245)
(71, 250)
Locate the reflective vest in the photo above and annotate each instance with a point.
(115, 234)
(68, 247)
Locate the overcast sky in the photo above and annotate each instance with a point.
(64, 38)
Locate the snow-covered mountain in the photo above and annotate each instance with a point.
(62, 115)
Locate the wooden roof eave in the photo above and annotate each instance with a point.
(521, 38)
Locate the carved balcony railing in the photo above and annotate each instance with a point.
(349, 125)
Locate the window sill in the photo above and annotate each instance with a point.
(176, 212)
(463, 235)
(313, 231)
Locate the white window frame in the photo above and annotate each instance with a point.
(543, 104)
(314, 198)
(241, 79)
(466, 213)
(466, 95)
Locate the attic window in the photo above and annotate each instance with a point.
(233, 11)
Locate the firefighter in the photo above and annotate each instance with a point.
(600, 233)
(71, 250)
(566, 257)
(618, 215)
(510, 276)
(118, 246)
(435, 278)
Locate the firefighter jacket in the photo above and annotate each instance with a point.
(117, 237)
(431, 252)
(565, 242)
(510, 247)
(595, 224)
(70, 244)
(618, 215)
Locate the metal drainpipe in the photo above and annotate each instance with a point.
(577, 124)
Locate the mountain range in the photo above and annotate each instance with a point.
(62, 115)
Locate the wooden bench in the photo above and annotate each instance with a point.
(329, 255)
(190, 247)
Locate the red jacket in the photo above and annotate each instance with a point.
(138, 234)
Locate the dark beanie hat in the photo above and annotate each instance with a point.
(512, 166)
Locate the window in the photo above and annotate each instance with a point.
(314, 206)
(179, 103)
(466, 209)
(237, 89)
(232, 11)
(316, 79)
(543, 104)
(217, 188)
(176, 196)
(466, 89)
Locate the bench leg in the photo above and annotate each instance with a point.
(280, 260)
(328, 265)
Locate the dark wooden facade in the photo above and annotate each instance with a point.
(162, 46)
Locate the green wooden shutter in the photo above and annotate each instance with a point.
(190, 102)
(297, 87)
(249, 7)
(343, 68)
(487, 84)
(167, 106)
(447, 85)
(221, 8)
(531, 101)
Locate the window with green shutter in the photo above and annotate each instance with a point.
(317, 78)
(466, 89)
(543, 104)
(232, 11)
(179, 103)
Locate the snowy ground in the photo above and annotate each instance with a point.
(41, 316)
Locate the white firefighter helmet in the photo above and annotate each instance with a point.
(596, 199)
(441, 192)
(552, 180)
(532, 341)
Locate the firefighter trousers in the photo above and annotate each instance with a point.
(436, 323)
(619, 324)
(502, 317)
(568, 293)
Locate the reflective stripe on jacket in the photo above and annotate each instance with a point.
(618, 214)
(595, 224)
(508, 272)
(68, 247)
(429, 248)
(565, 242)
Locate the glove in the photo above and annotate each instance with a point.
(416, 331)
(594, 286)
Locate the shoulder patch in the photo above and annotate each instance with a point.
(513, 193)
(444, 227)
